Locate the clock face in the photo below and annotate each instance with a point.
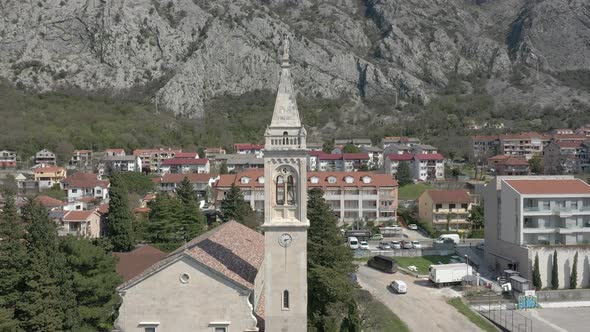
(285, 240)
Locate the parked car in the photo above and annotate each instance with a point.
(376, 237)
(399, 286)
(413, 226)
(364, 245)
(384, 246)
(353, 242)
(407, 245)
(396, 245)
(452, 237)
(383, 263)
(416, 245)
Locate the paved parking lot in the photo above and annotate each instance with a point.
(423, 308)
(560, 320)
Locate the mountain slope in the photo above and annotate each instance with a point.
(182, 53)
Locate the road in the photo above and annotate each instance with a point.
(423, 308)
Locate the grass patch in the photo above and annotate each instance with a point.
(423, 262)
(476, 319)
(376, 316)
(412, 191)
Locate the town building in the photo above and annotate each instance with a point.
(221, 266)
(131, 264)
(524, 145)
(353, 196)
(50, 203)
(311, 146)
(86, 186)
(81, 159)
(185, 165)
(409, 141)
(7, 159)
(343, 162)
(564, 157)
(212, 153)
(424, 149)
(78, 223)
(45, 157)
(375, 156)
(512, 166)
(526, 216)
(114, 152)
(392, 161)
(446, 210)
(239, 162)
(47, 177)
(151, 159)
(358, 142)
(485, 146)
(202, 183)
(246, 148)
(428, 167)
(110, 164)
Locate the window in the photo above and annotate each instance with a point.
(451, 206)
(149, 329)
(285, 300)
(280, 190)
(332, 179)
(464, 206)
(314, 179)
(438, 206)
(74, 191)
(220, 329)
(290, 190)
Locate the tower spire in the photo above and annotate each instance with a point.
(286, 113)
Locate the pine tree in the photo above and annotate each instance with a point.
(234, 207)
(537, 274)
(12, 259)
(94, 283)
(191, 222)
(162, 227)
(223, 168)
(120, 219)
(403, 174)
(574, 274)
(185, 191)
(554, 275)
(47, 302)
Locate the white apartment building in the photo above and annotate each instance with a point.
(527, 216)
(423, 166)
(352, 195)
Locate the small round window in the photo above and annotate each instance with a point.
(184, 278)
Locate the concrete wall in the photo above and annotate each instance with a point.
(565, 261)
(565, 295)
(207, 297)
(510, 216)
(404, 252)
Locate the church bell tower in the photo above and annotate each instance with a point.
(285, 211)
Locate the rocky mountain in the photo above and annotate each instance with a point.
(182, 53)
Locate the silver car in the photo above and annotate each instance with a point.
(396, 245)
(384, 246)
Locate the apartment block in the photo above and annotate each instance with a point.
(151, 159)
(537, 215)
(352, 195)
(7, 159)
(341, 162)
(80, 159)
(446, 209)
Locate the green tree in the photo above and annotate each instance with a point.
(162, 228)
(134, 182)
(477, 217)
(201, 152)
(537, 274)
(94, 283)
(120, 218)
(349, 148)
(223, 168)
(536, 164)
(47, 302)
(327, 147)
(329, 262)
(450, 217)
(554, 275)
(403, 174)
(12, 258)
(55, 192)
(7, 321)
(192, 222)
(574, 274)
(234, 207)
(185, 191)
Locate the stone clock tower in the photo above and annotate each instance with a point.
(285, 212)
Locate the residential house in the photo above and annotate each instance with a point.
(50, 203)
(239, 162)
(212, 153)
(392, 162)
(512, 166)
(375, 156)
(446, 210)
(563, 131)
(344, 162)
(86, 186)
(396, 148)
(485, 146)
(530, 216)
(202, 183)
(47, 177)
(7, 159)
(110, 164)
(221, 266)
(494, 160)
(151, 159)
(428, 167)
(45, 157)
(410, 141)
(358, 142)
(563, 157)
(424, 149)
(352, 195)
(114, 152)
(524, 145)
(81, 159)
(255, 149)
(185, 165)
(78, 223)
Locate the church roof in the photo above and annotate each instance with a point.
(285, 113)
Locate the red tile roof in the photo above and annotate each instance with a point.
(49, 202)
(103, 208)
(78, 215)
(84, 180)
(549, 186)
(569, 137)
(82, 151)
(186, 155)
(132, 263)
(184, 161)
(569, 144)
(355, 156)
(49, 169)
(193, 177)
(144, 152)
(513, 161)
(400, 157)
(449, 196)
(117, 151)
(525, 136)
(498, 157)
(429, 156)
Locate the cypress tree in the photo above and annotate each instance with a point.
(12, 259)
(537, 274)
(191, 222)
(185, 191)
(574, 274)
(234, 207)
(554, 275)
(120, 219)
(47, 302)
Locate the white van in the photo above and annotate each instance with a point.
(399, 286)
(353, 242)
(443, 237)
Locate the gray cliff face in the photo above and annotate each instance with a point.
(189, 51)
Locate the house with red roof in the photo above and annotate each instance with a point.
(392, 161)
(85, 223)
(50, 203)
(151, 159)
(114, 152)
(512, 166)
(7, 159)
(223, 265)
(80, 186)
(185, 165)
(48, 176)
(337, 162)
(565, 157)
(202, 183)
(446, 210)
(247, 148)
(80, 159)
(428, 167)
